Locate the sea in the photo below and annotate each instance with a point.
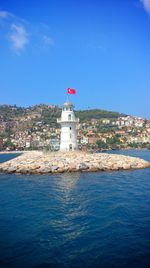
(95, 220)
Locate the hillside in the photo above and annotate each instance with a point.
(48, 114)
(36, 128)
(86, 115)
(41, 119)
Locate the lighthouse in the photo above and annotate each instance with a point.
(68, 121)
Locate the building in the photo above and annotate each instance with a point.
(28, 143)
(54, 144)
(1, 143)
(68, 121)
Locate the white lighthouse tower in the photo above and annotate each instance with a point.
(68, 140)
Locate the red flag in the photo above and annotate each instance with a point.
(71, 91)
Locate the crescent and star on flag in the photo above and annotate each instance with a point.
(71, 90)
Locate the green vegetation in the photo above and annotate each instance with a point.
(106, 129)
(96, 114)
(8, 112)
(113, 142)
(9, 144)
(50, 116)
(47, 115)
(139, 145)
(102, 144)
(39, 123)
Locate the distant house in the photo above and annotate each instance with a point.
(28, 143)
(1, 143)
(84, 140)
(93, 140)
(106, 121)
(120, 132)
(54, 144)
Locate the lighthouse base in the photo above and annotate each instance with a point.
(68, 147)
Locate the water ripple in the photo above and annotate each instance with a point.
(75, 220)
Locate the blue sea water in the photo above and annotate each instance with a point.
(7, 156)
(76, 220)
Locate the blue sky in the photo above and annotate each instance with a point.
(99, 47)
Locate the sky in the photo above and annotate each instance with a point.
(101, 48)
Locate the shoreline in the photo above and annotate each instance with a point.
(94, 151)
(38, 162)
(12, 152)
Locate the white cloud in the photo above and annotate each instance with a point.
(48, 40)
(15, 28)
(18, 37)
(5, 15)
(146, 5)
(17, 34)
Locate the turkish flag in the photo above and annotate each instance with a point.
(71, 91)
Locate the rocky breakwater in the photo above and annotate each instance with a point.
(42, 163)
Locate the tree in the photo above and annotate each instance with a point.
(101, 144)
(9, 144)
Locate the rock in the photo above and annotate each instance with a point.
(22, 171)
(11, 169)
(43, 170)
(72, 168)
(126, 166)
(133, 165)
(54, 169)
(83, 166)
(42, 163)
(114, 167)
(60, 165)
(60, 170)
(93, 169)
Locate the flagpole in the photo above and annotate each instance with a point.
(67, 96)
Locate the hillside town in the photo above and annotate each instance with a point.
(36, 128)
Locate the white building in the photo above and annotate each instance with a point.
(68, 140)
(84, 140)
(54, 144)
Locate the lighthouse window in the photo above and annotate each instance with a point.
(70, 147)
(70, 128)
(69, 116)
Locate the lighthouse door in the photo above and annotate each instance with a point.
(70, 147)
